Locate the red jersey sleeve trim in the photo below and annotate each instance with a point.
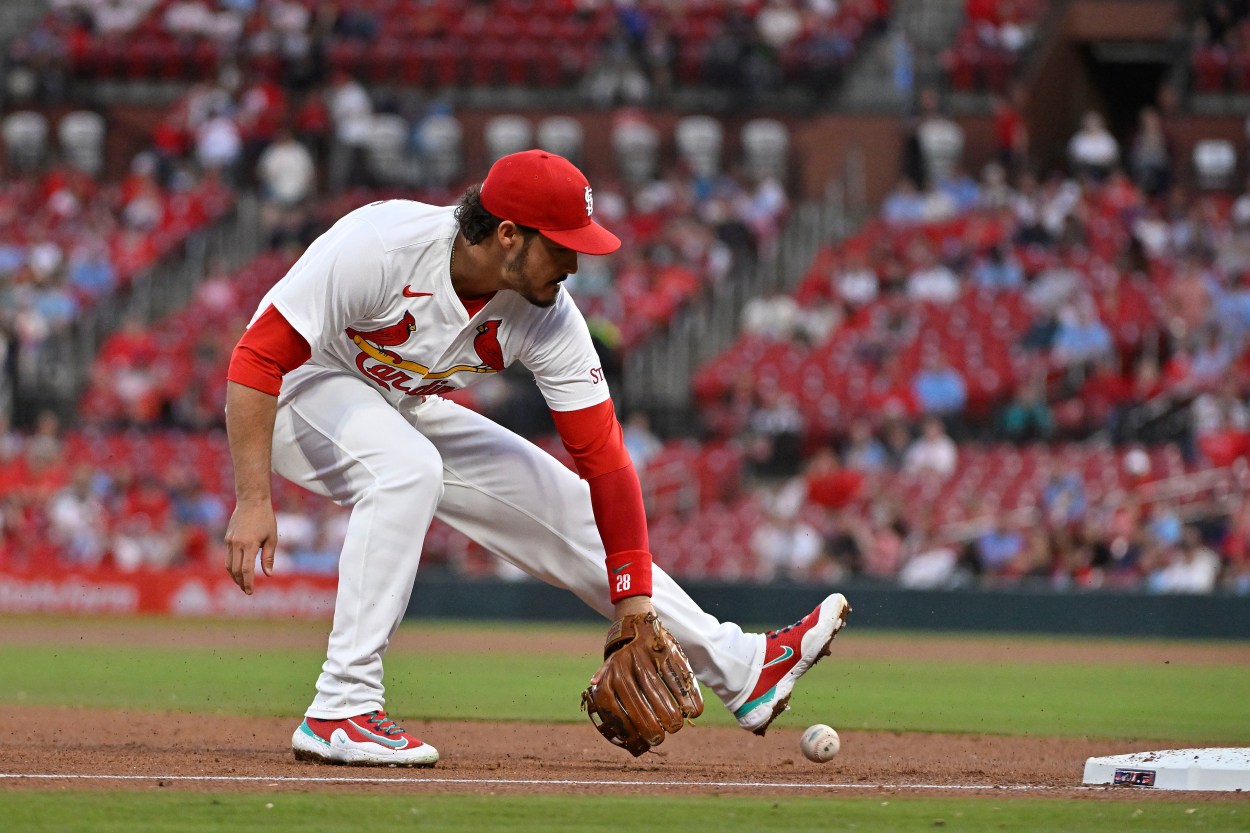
(269, 350)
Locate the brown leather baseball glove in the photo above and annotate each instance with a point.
(645, 687)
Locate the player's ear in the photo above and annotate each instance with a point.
(508, 234)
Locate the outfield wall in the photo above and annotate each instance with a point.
(876, 606)
(204, 592)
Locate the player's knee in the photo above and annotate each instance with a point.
(410, 470)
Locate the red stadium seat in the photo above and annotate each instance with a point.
(1210, 69)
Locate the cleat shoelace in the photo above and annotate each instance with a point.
(380, 721)
(786, 629)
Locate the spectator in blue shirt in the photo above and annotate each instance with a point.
(904, 206)
(998, 269)
(1063, 498)
(91, 272)
(939, 388)
(1081, 336)
(961, 189)
(998, 547)
(12, 258)
(864, 452)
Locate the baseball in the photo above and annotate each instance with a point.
(820, 743)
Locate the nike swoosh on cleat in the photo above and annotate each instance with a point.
(393, 744)
(408, 293)
(786, 653)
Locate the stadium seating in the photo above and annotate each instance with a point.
(496, 44)
(25, 135)
(990, 44)
(175, 368)
(562, 135)
(149, 421)
(81, 136)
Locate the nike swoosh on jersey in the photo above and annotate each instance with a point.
(408, 293)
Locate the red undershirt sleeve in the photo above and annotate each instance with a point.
(593, 436)
(269, 350)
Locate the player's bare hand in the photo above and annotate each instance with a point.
(252, 529)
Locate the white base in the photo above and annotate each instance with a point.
(1221, 769)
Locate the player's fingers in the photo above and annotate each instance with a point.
(247, 568)
(241, 558)
(235, 565)
(267, 556)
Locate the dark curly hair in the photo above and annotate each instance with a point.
(476, 222)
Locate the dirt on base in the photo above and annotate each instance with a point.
(155, 750)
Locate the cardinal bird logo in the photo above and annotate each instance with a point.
(392, 336)
(486, 343)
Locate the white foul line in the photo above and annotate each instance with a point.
(563, 782)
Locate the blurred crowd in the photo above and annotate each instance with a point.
(1012, 377)
(990, 43)
(1118, 525)
(139, 501)
(159, 500)
(1117, 293)
(620, 52)
(1220, 46)
(69, 238)
(58, 508)
(1104, 303)
(688, 223)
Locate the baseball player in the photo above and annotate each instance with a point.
(335, 386)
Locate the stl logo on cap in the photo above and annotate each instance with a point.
(548, 193)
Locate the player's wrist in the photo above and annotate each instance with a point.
(633, 606)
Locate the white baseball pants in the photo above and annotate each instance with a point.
(337, 436)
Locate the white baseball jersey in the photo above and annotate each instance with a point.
(373, 295)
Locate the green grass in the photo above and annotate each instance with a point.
(72, 812)
(1125, 700)
(1112, 700)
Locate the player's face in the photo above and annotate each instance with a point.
(536, 269)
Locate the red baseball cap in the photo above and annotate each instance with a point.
(547, 192)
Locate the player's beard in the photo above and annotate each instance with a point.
(519, 280)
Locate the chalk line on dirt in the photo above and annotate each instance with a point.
(564, 782)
